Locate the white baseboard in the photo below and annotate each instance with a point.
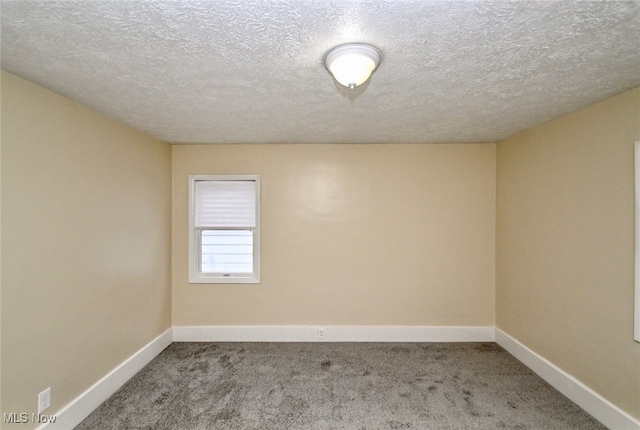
(78, 409)
(596, 405)
(332, 334)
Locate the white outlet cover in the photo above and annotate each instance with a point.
(44, 400)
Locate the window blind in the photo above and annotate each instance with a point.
(225, 204)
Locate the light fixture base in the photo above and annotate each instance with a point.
(352, 64)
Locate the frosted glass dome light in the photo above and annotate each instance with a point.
(352, 64)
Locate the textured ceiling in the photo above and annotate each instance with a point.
(237, 71)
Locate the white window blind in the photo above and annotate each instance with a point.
(225, 204)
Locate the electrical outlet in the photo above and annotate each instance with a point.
(321, 333)
(44, 400)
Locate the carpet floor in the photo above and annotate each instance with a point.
(315, 386)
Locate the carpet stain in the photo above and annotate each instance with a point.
(450, 398)
(485, 347)
(326, 364)
(225, 361)
(161, 399)
(226, 415)
(399, 425)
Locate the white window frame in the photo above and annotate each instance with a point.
(636, 304)
(195, 274)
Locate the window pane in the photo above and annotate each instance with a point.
(227, 251)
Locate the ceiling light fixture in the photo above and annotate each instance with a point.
(353, 63)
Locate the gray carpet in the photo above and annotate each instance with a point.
(337, 386)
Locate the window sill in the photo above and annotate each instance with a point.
(224, 280)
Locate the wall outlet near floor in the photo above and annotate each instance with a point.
(44, 400)
(321, 333)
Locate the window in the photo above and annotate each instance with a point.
(224, 229)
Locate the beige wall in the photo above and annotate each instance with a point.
(85, 248)
(352, 235)
(565, 245)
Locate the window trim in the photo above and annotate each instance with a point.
(195, 275)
